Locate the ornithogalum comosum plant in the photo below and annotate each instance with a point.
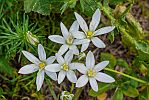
(66, 66)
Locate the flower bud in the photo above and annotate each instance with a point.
(32, 39)
(66, 96)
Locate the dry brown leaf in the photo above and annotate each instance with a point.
(102, 96)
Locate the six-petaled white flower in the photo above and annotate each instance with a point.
(38, 64)
(90, 33)
(67, 40)
(91, 72)
(64, 67)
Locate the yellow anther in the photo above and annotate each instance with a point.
(65, 67)
(42, 65)
(91, 73)
(69, 40)
(90, 34)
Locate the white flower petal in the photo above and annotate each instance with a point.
(39, 79)
(95, 20)
(74, 49)
(63, 49)
(74, 27)
(93, 84)
(68, 56)
(71, 76)
(101, 65)
(41, 53)
(82, 69)
(27, 69)
(84, 46)
(79, 66)
(82, 81)
(60, 59)
(90, 60)
(50, 60)
(104, 30)
(31, 57)
(64, 30)
(81, 22)
(79, 35)
(53, 67)
(61, 76)
(98, 43)
(57, 39)
(81, 41)
(72, 66)
(102, 77)
(52, 75)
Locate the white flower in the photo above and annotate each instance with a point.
(64, 67)
(91, 73)
(90, 33)
(38, 65)
(67, 40)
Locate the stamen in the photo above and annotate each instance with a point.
(90, 34)
(65, 67)
(42, 65)
(91, 73)
(69, 40)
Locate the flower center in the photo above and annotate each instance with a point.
(42, 65)
(91, 73)
(69, 40)
(65, 67)
(90, 34)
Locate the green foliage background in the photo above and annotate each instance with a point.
(42, 18)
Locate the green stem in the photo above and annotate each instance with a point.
(131, 77)
(78, 92)
(72, 87)
(51, 89)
